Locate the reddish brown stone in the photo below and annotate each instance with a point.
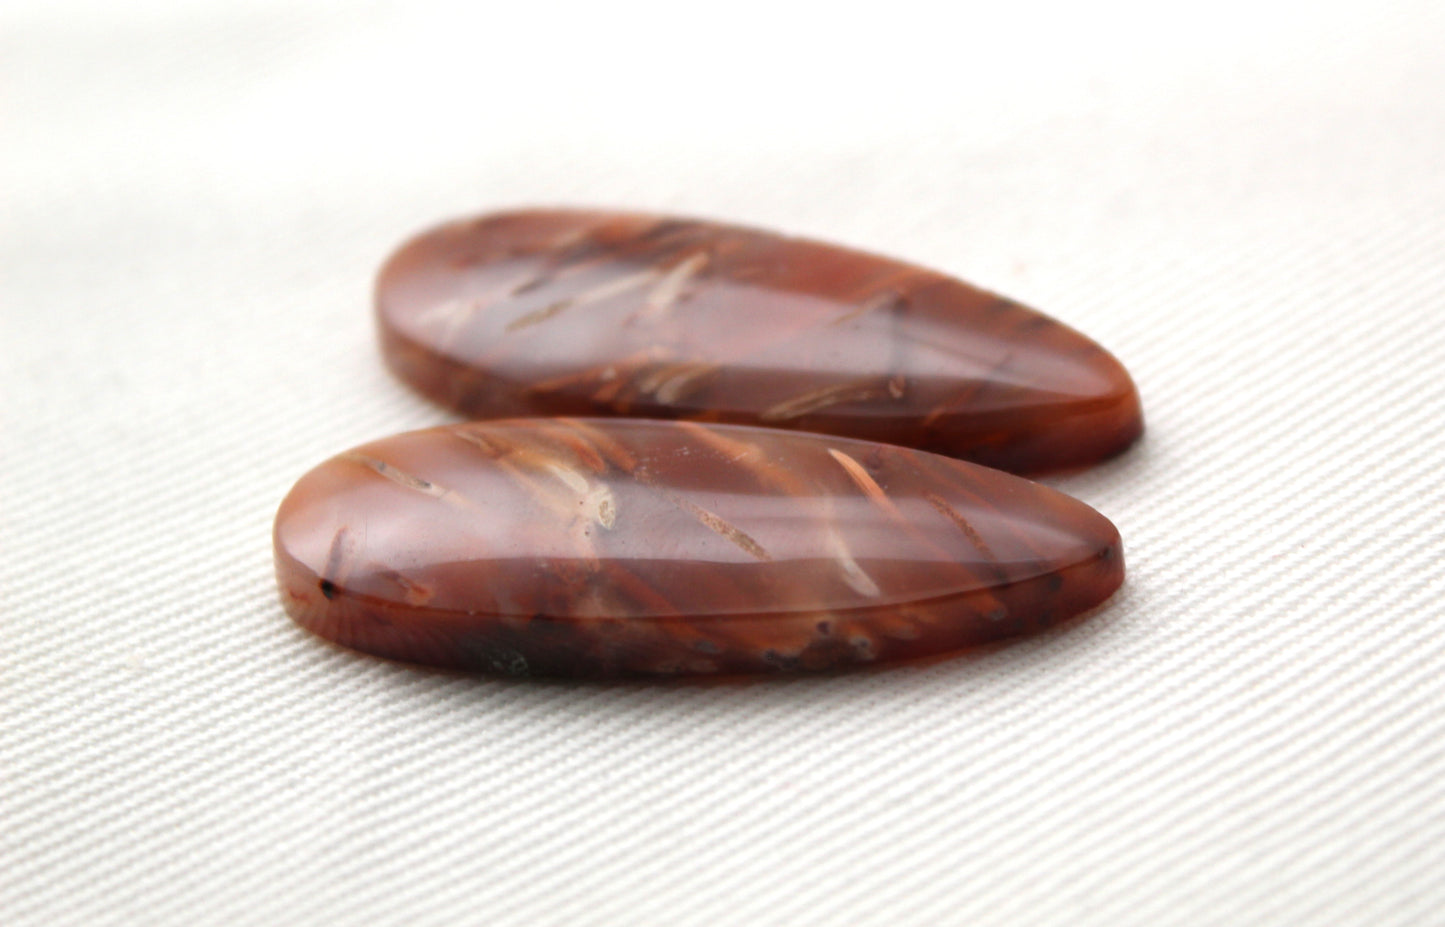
(585, 313)
(608, 547)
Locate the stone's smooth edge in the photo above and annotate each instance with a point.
(700, 643)
(569, 648)
(1014, 421)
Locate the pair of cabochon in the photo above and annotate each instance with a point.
(634, 504)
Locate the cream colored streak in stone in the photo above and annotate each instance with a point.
(574, 480)
(536, 316)
(597, 294)
(854, 575)
(601, 443)
(476, 440)
(572, 236)
(568, 496)
(412, 481)
(607, 374)
(520, 463)
(731, 448)
(672, 382)
(582, 457)
(590, 503)
(670, 287)
(837, 394)
(864, 481)
(445, 312)
(450, 317)
(594, 504)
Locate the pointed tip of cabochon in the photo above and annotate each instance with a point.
(1066, 432)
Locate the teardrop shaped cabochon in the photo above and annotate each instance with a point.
(557, 312)
(612, 547)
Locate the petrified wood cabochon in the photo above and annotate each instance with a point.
(610, 547)
(593, 313)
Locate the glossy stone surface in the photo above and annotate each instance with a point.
(609, 547)
(587, 313)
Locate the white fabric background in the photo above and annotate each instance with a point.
(1245, 201)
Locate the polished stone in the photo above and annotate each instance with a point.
(611, 547)
(589, 313)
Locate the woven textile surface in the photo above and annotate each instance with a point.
(1244, 201)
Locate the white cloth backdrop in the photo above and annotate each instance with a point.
(1245, 201)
